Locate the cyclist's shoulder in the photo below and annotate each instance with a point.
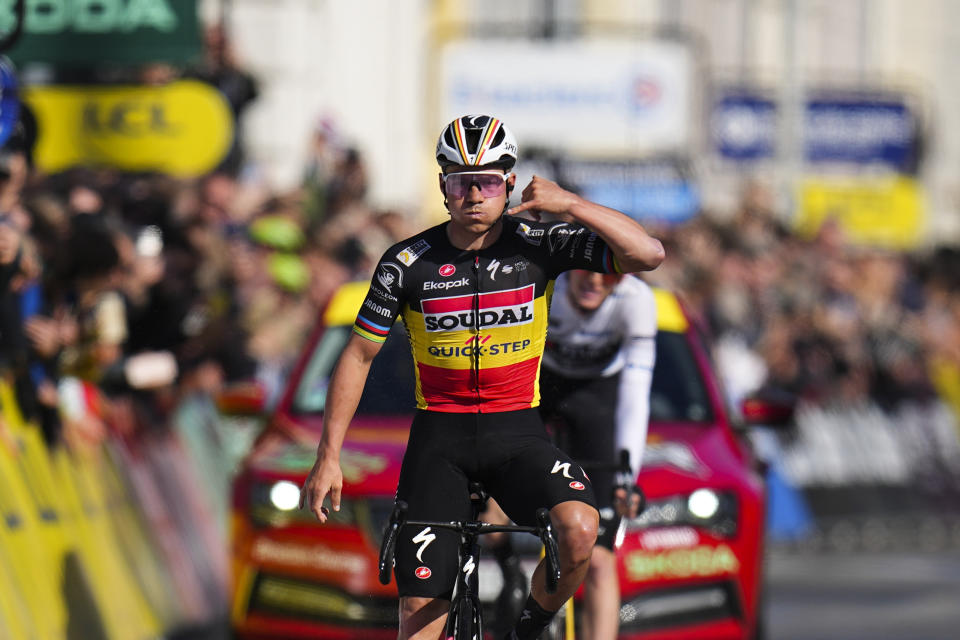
(546, 235)
(636, 302)
(409, 250)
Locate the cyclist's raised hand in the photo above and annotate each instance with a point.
(543, 195)
(324, 478)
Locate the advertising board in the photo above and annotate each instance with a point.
(615, 97)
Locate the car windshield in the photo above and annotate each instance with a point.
(677, 393)
(390, 385)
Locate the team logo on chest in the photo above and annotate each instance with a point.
(500, 308)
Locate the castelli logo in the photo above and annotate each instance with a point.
(447, 270)
(576, 484)
(423, 572)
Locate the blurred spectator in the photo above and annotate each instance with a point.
(220, 69)
(830, 321)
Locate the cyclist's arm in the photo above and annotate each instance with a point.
(632, 247)
(343, 396)
(639, 352)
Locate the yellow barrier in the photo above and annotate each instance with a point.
(64, 571)
(15, 621)
(33, 569)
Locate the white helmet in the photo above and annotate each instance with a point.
(471, 141)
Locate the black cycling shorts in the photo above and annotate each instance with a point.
(585, 411)
(509, 452)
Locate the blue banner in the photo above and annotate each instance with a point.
(649, 190)
(854, 129)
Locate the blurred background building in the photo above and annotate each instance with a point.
(873, 69)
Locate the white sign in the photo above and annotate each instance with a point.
(595, 97)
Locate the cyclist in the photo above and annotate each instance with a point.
(473, 294)
(596, 375)
(597, 369)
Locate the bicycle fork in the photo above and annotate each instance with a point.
(465, 620)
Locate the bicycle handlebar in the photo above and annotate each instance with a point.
(389, 545)
(550, 551)
(398, 518)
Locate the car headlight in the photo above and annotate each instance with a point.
(277, 504)
(285, 495)
(715, 511)
(703, 504)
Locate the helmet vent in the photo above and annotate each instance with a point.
(473, 140)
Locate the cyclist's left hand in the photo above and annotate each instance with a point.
(626, 503)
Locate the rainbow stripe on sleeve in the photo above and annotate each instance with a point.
(366, 329)
(610, 261)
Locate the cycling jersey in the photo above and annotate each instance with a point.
(617, 337)
(477, 320)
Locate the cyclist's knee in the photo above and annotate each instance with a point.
(576, 524)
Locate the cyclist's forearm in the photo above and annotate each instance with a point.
(343, 396)
(633, 412)
(633, 247)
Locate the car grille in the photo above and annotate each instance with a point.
(685, 605)
(293, 598)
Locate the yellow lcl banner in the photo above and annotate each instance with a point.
(184, 128)
(886, 212)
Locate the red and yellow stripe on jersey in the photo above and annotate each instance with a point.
(460, 369)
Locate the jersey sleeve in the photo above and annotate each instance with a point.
(573, 246)
(383, 302)
(639, 352)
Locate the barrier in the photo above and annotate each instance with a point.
(32, 549)
(104, 540)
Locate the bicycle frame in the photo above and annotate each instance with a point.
(465, 620)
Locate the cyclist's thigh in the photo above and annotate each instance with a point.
(529, 472)
(436, 489)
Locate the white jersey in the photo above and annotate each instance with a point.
(619, 336)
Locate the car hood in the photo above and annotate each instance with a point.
(680, 457)
(370, 458)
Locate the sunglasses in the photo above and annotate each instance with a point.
(491, 183)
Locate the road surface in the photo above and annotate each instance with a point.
(864, 596)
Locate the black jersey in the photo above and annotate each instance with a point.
(477, 320)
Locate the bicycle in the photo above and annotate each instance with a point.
(464, 622)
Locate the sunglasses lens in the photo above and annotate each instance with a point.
(490, 184)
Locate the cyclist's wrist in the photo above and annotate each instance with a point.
(327, 452)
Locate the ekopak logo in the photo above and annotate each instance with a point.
(576, 484)
(447, 270)
(423, 572)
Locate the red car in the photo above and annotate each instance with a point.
(690, 565)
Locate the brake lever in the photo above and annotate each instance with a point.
(550, 550)
(389, 545)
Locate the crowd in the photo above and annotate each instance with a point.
(118, 284)
(834, 322)
(122, 282)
